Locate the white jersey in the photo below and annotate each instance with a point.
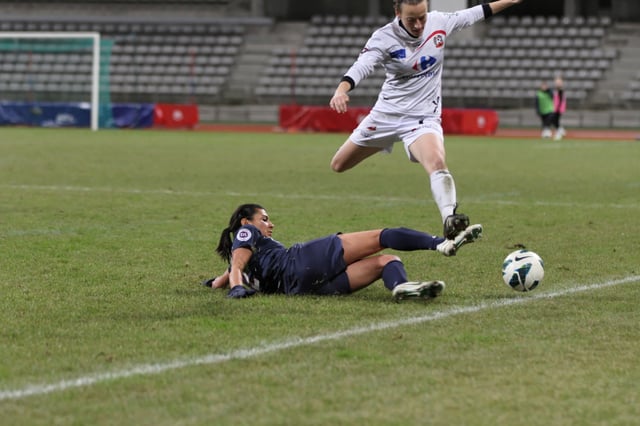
(413, 66)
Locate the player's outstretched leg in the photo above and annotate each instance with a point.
(469, 235)
(455, 224)
(418, 290)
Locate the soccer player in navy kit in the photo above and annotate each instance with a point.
(335, 264)
(409, 106)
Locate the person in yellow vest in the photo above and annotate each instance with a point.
(545, 108)
(559, 107)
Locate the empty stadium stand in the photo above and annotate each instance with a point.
(148, 62)
(632, 92)
(500, 68)
(205, 59)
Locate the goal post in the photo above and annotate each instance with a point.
(57, 42)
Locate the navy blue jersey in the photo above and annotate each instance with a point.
(265, 268)
(303, 268)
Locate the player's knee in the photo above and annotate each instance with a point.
(388, 258)
(337, 165)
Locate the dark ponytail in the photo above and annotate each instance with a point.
(244, 211)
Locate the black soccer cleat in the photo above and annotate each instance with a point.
(455, 224)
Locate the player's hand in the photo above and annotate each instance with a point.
(339, 102)
(240, 292)
(215, 282)
(209, 282)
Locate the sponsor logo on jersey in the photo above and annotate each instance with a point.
(424, 63)
(423, 74)
(244, 235)
(398, 54)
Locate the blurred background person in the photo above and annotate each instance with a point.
(545, 108)
(559, 107)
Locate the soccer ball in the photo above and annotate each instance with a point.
(522, 270)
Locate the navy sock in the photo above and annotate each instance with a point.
(406, 239)
(393, 274)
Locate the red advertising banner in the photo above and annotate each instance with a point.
(175, 116)
(319, 119)
(461, 121)
(323, 119)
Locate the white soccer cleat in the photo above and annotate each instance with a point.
(469, 235)
(418, 290)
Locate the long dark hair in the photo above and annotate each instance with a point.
(244, 211)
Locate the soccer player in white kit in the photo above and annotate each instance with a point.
(409, 106)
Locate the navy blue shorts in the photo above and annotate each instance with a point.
(317, 267)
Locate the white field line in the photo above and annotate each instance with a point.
(158, 368)
(496, 198)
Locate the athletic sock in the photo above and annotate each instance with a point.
(443, 189)
(393, 274)
(406, 239)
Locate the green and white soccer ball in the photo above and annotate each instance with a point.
(523, 270)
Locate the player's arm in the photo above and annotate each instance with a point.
(340, 97)
(239, 260)
(500, 5)
(372, 55)
(221, 281)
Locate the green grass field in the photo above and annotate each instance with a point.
(105, 237)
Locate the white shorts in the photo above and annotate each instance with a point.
(382, 130)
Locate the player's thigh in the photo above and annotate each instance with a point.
(428, 150)
(356, 245)
(350, 154)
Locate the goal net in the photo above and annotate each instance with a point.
(41, 71)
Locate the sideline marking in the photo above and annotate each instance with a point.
(496, 198)
(157, 368)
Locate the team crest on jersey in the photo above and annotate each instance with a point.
(438, 40)
(244, 235)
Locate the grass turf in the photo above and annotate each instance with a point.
(104, 238)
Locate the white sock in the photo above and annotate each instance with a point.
(443, 189)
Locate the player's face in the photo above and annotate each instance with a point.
(413, 17)
(261, 221)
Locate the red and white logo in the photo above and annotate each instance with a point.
(438, 40)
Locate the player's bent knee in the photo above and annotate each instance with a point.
(337, 166)
(388, 258)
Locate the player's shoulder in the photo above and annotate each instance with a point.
(383, 31)
(247, 232)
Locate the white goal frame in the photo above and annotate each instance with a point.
(95, 67)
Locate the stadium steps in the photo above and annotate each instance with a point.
(124, 10)
(625, 37)
(255, 56)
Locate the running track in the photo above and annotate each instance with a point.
(599, 134)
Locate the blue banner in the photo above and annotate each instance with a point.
(56, 114)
